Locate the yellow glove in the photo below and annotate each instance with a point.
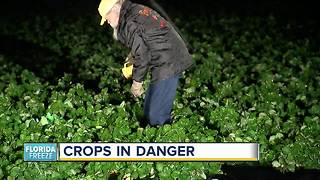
(127, 70)
(128, 67)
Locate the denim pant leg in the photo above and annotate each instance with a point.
(159, 100)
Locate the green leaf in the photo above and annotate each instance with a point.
(43, 121)
(276, 164)
(1, 173)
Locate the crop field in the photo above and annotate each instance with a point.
(255, 79)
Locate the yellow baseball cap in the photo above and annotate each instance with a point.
(104, 7)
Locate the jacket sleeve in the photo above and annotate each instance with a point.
(141, 56)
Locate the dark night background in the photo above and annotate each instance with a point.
(301, 13)
(302, 10)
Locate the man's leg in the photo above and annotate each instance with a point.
(159, 100)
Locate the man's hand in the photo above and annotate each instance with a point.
(128, 67)
(137, 89)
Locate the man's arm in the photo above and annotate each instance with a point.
(141, 56)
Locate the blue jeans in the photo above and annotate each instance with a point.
(159, 100)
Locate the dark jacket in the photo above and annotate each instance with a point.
(154, 43)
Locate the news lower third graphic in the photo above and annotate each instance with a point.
(141, 152)
(40, 152)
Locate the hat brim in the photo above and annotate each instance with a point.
(102, 21)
